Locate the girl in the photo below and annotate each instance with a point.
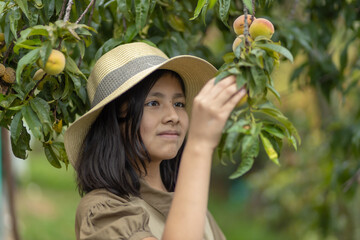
(143, 168)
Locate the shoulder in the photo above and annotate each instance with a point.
(102, 213)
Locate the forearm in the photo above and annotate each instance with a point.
(187, 214)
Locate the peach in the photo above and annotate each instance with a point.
(9, 75)
(239, 24)
(55, 63)
(238, 40)
(261, 27)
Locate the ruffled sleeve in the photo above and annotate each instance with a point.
(103, 215)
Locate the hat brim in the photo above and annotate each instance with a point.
(194, 71)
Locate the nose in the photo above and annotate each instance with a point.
(170, 114)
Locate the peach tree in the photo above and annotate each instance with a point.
(42, 100)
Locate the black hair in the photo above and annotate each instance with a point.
(113, 146)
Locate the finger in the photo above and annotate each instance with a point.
(234, 99)
(225, 95)
(213, 89)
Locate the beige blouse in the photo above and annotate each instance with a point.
(104, 215)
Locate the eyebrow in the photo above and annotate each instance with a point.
(160, 95)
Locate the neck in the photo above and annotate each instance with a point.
(153, 177)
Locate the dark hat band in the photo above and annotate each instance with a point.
(117, 77)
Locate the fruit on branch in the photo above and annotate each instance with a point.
(238, 40)
(261, 27)
(55, 63)
(39, 74)
(239, 24)
(9, 75)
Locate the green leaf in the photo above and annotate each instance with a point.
(42, 110)
(61, 153)
(199, 6)
(240, 80)
(141, 10)
(70, 66)
(229, 57)
(131, 32)
(7, 101)
(16, 127)
(221, 75)
(124, 6)
(32, 121)
(224, 6)
(277, 115)
(22, 145)
(51, 156)
(274, 91)
(23, 4)
(26, 60)
(248, 5)
(269, 149)
(277, 48)
(260, 80)
(250, 150)
(273, 130)
(245, 165)
(14, 18)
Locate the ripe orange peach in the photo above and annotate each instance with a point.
(261, 27)
(239, 24)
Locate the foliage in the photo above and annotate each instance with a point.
(309, 194)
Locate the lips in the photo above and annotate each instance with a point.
(169, 133)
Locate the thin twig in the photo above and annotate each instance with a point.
(253, 13)
(91, 13)
(246, 29)
(62, 10)
(86, 10)
(68, 10)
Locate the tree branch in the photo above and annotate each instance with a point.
(91, 13)
(62, 10)
(86, 10)
(246, 29)
(68, 10)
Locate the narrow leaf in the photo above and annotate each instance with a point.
(22, 145)
(200, 5)
(51, 156)
(248, 5)
(23, 4)
(32, 121)
(277, 48)
(26, 60)
(16, 127)
(141, 10)
(224, 6)
(269, 149)
(42, 110)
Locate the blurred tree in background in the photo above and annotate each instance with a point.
(313, 195)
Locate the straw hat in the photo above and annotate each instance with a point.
(120, 69)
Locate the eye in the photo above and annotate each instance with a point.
(152, 104)
(179, 104)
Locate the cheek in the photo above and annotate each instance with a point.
(185, 122)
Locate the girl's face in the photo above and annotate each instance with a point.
(165, 122)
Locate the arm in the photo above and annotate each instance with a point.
(211, 108)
